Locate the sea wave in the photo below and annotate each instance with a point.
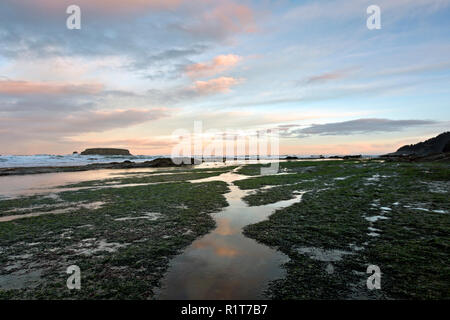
(43, 160)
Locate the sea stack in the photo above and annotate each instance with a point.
(106, 152)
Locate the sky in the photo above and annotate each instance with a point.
(138, 71)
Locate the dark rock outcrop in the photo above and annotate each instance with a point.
(106, 152)
(352, 157)
(434, 149)
(429, 147)
(447, 147)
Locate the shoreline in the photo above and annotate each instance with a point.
(156, 163)
(168, 163)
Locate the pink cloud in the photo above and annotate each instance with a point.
(218, 85)
(222, 19)
(325, 77)
(102, 6)
(219, 64)
(334, 75)
(234, 17)
(217, 19)
(98, 121)
(29, 87)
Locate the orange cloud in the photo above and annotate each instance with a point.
(217, 65)
(218, 85)
(30, 87)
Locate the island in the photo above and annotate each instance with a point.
(106, 152)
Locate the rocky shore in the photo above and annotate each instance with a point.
(157, 163)
(438, 157)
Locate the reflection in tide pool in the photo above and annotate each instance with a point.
(225, 264)
(44, 183)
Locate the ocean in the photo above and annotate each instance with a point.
(43, 160)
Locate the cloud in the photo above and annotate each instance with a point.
(220, 21)
(342, 10)
(161, 61)
(182, 93)
(100, 6)
(359, 126)
(186, 54)
(154, 41)
(219, 64)
(327, 76)
(218, 85)
(135, 143)
(335, 92)
(98, 121)
(422, 68)
(58, 131)
(324, 77)
(11, 87)
(83, 121)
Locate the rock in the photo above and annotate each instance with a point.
(161, 162)
(106, 152)
(434, 149)
(447, 147)
(429, 147)
(75, 152)
(291, 158)
(157, 163)
(352, 157)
